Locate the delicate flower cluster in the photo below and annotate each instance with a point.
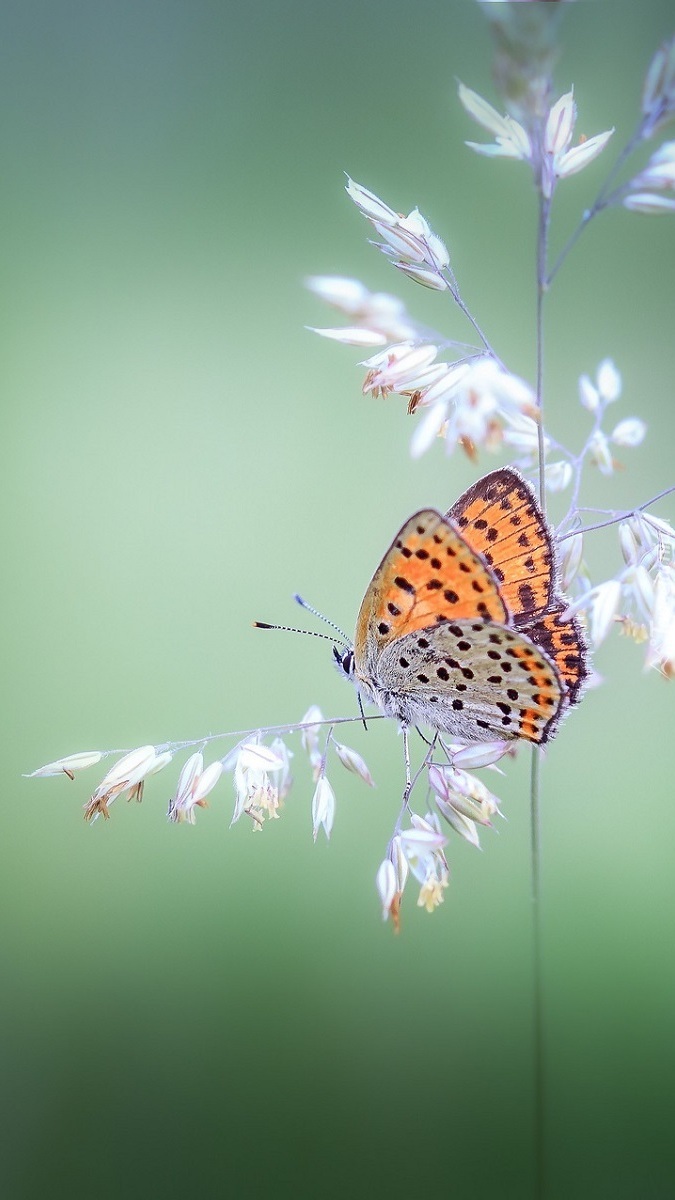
(556, 158)
(463, 802)
(262, 780)
(652, 190)
(409, 242)
(377, 317)
(640, 599)
(472, 401)
(521, 434)
(472, 405)
(127, 777)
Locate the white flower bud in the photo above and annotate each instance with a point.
(661, 650)
(161, 761)
(604, 607)
(385, 881)
(130, 769)
(588, 394)
(66, 766)
(406, 368)
(580, 156)
(312, 722)
(482, 112)
(649, 204)
(348, 295)
(353, 762)
(399, 861)
(439, 253)
(558, 476)
(600, 453)
(609, 381)
(428, 429)
(629, 432)
(639, 581)
(370, 204)
(426, 276)
(658, 93)
(424, 380)
(560, 124)
(463, 825)
(446, 384)
(630, 546)
(351, 335)
(481, 755)
(571, 556)
(323, 807)
(421, 841)
(402, 241)
(256, 757)
(660, 170)
(207, 781)
(189, 775)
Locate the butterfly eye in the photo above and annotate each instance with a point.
(344, 660)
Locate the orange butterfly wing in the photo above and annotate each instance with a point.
(500, 518)
(428, 575)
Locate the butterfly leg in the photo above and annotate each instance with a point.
(406, 755)
(408, 780)
(411, 780)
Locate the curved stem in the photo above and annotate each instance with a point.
(474, 323)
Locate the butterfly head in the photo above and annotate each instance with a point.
(344, 660)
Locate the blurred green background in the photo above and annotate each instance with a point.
(197, 1012)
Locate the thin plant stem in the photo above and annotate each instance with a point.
(473, 322)
(602, 200)
(538, 999)
(617, 516)
(539, 1077)
(265, 730)
(542, 247)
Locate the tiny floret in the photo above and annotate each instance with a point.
(658, 93)
(385, 882)
(68, 765)
(127, 775)
(353, 762)
(511, 139)
(323, 808)
(629, 432)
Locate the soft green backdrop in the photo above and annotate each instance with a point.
(197, 1012)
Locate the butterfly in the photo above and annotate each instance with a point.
(460, 628)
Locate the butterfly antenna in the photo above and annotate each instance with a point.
(291, 629)
(310, 608)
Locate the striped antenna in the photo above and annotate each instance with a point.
(291, 629)
(310, 608)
